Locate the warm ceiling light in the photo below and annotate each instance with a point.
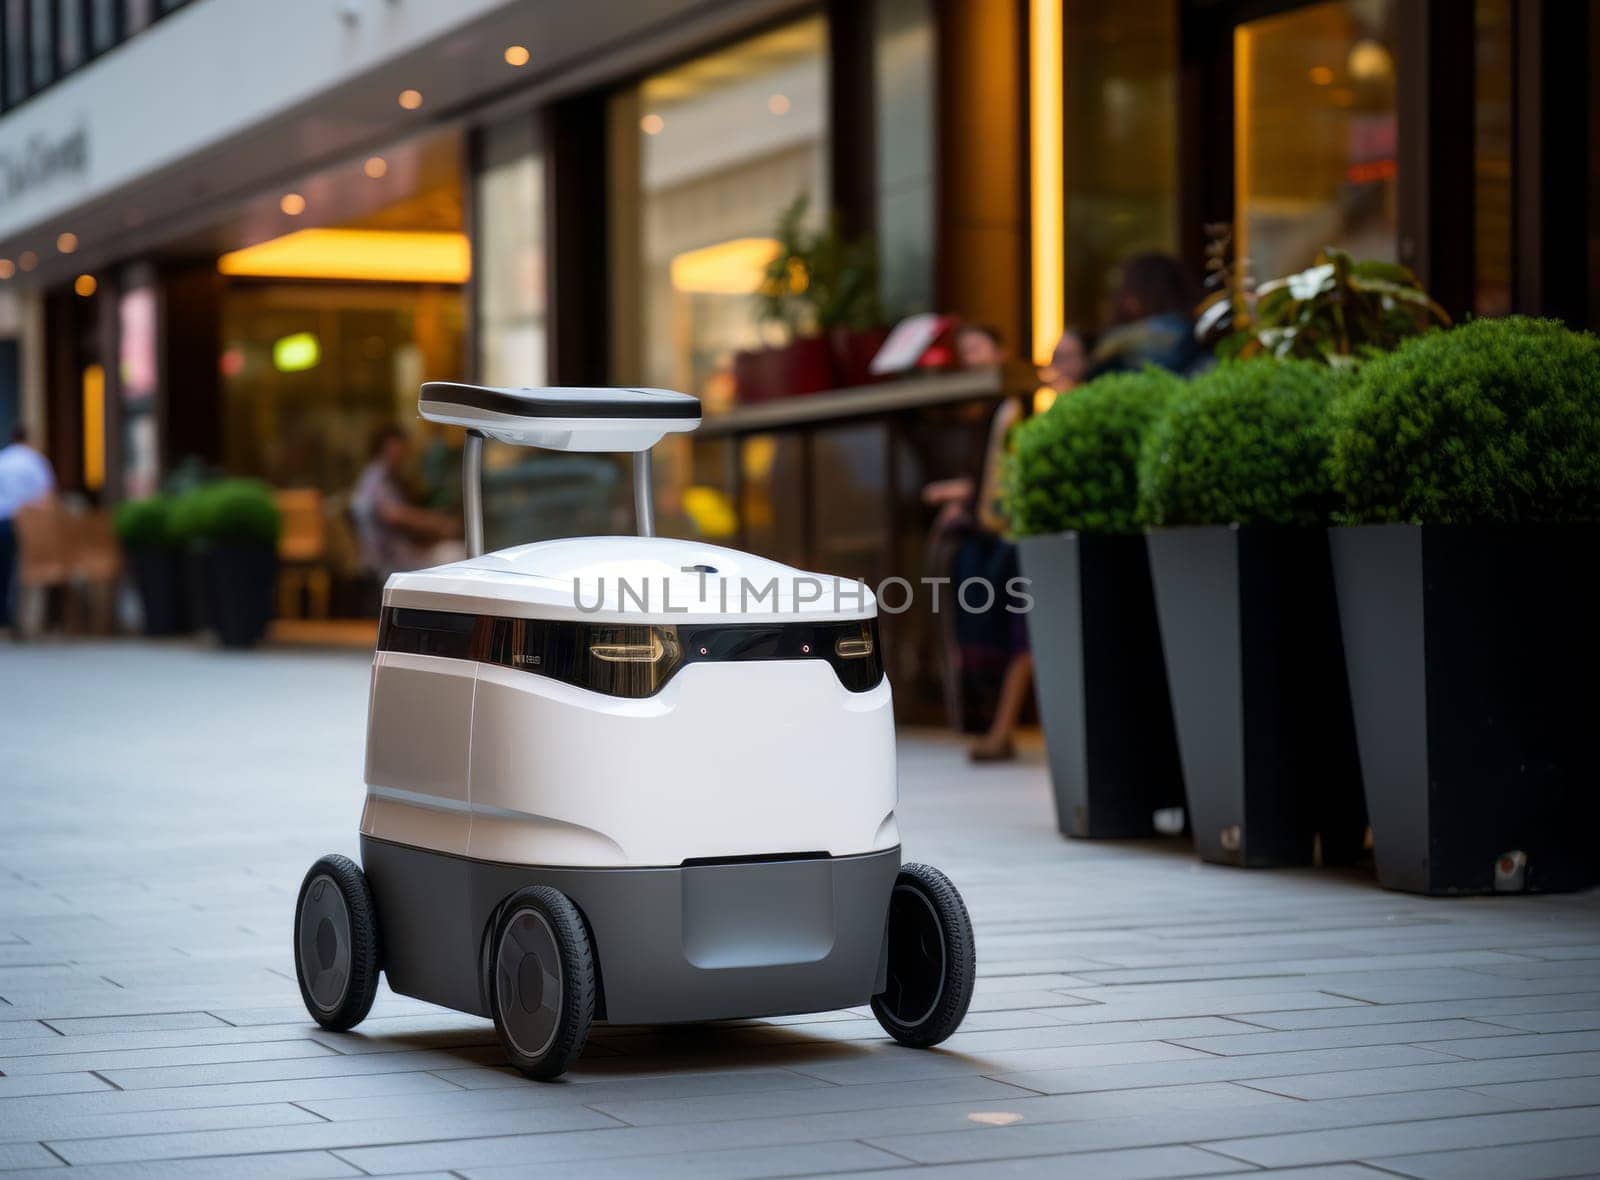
(778, 104)
(7, 269)
(85, 285)
(1321, 76)
(410, 99)
(734, 267)
(375, 167)
(652, 124)
(1369, 61)
(516, 55)
(375, 255)
(27, 260)
(293, 204)
(67, 242)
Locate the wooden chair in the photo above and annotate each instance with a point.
(303, 554)
(94, 559)
(44, 561)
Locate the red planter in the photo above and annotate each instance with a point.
(853, 350)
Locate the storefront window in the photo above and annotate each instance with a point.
(714, 150)
(1492, 132)
(1120, 90)
(511, 257)
(906, 54)
(1315, 134)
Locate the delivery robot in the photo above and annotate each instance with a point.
(629, 779)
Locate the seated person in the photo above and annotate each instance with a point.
(394, 534)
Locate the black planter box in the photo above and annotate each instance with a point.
(1101, 683)
(1472, 655)
(1250, 629)
(242, 576)
(163, 584)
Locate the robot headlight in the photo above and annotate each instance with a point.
(635, 645)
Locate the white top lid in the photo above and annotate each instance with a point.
(631, 579)
(563, 418)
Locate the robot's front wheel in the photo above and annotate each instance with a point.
(932, 961)
(540, 981)
(336, 943)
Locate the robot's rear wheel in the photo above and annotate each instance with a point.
(336, 955)
(932, 961)
(541, 983)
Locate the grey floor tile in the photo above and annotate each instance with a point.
(151, 1122)
(1489, 1009)
(1139, 1164)
(1525, 1161)
(746, 1163)
(1576, 1091)
(114, 1060)
(60, 1083)
(321, 1135)
(146, 1022)
(1432, 1077)
(1220, 1069)
(1582, 1020)
(1414, 1137)
(1238, 1042)
(1520, 1046)
(1288, 1119)
(26, 1155)
(300, 1165)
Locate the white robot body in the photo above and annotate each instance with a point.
(486, 755)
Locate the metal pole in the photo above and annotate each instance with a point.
(472, 492)
(644, 504)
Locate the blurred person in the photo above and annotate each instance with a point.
(1150, 320)
(395, 534)
(25, 477)
(968, 543)
(1068, 366)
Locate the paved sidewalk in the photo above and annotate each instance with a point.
(1137, 1015)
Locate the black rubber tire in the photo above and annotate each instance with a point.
(547, 918)
(932, 960)
(346, 924)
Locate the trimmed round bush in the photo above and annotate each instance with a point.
(1245, 443)
(145, 523)
(1076, 465)
(227, 510)
(1493, 422)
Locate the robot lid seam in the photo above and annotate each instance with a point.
(777, 858)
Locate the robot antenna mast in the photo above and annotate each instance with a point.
(472, 492)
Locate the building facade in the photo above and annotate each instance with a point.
(239, 235)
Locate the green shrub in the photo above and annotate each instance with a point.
(227, 510)
(1076, 465)
(1494, 422)
(144, 524)
(1247, 443)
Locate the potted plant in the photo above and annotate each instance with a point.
(1234, 481)
(233, 526)
(155, 559)
(820, 295)
(1072, 495)
(1469, 461)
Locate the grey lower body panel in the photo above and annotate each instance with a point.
(694, 942)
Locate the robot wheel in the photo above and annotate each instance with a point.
(540, 981)
(336, 955)
(932, 960)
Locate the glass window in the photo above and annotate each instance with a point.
(511, 257)
(1492, 132)
(1120, 90)
(1314, 137)
(41, 37)
(905, 89)
(135, 16)
(69, 35)
(16, 51)
(714, 151)
(103, 24)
